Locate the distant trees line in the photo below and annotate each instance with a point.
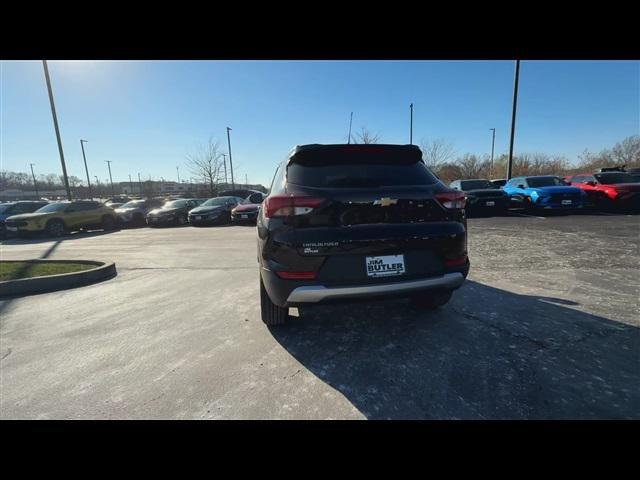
(21, 180)
(441, 158)
(206, 163)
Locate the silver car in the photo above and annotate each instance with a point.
(134, 212)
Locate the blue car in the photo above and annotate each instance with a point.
(546, 192)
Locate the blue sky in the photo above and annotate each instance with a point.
(146, 116)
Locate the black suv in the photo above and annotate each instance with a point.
(482, 196)
(358, 221)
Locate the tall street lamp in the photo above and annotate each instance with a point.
(110, 178)
(85, 166)
(411, 125)
(224, 161)
(513, 118)
(55, 125)
(35, 184)
(230, 159)
(493, 142)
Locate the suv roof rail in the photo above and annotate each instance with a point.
(619, 168)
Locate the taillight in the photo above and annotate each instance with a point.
(451, 199)
(296, 275)
(287, 205)
(453, 262)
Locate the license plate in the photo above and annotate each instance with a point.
(197, 217)
(566, 202)
(154, 220)
(491, 204)
(244, 216)
(385, 266)
(12, 229)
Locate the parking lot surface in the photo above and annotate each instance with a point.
(547, 327)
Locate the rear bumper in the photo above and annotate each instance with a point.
(558, 206)
(291, 293)
(319, 293)
(251, 217)
(481, 204)
(160, 221)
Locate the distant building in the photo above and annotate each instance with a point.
(11, 194)
(152, 187)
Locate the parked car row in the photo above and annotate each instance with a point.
(605, 190)
(56, 218)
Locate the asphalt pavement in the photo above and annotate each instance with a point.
(547, 327)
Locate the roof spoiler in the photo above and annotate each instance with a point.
(318, 154)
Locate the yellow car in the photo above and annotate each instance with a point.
(60, 217)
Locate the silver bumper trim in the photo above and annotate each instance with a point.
(317, 293)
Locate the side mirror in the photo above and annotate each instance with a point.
(521, 185)
(591, 182)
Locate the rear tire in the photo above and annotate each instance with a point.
(182, 219)
(271, 313)
(138, 220)
(431, 300)
(55, 228)
(108, 223)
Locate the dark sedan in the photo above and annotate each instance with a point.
(247, 212)
(173, 212)
(482, 196)
(133, 213)
(215, 210)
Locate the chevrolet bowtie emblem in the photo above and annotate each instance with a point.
(385, 202)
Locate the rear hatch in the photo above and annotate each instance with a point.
(365, 201)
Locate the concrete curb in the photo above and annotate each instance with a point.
(63, 281)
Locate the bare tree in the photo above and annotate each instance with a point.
(206, 164)
(472, 166)
(365, 136)
(436, 152)
(627, 151)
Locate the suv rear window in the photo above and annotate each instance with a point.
(360, 175)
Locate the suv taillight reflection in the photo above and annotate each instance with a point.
(451, 200)
(288, 205)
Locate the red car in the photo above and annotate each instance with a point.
(248, 212)
(617, 190)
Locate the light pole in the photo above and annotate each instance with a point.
(110, 178)
(139, 183)
(230, 159)
(55, 125)
(130, 184)
(350, 122)
(224, 160)
(178, 171)
(85, 166)
(411, 125)
(513, 118)
(35, 184)
(493, 142)
(97, 184)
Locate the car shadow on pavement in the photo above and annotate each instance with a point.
(35, 239)
(488, 354)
